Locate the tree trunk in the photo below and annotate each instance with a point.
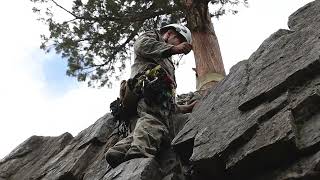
(209, 64)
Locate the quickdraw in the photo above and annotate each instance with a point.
(154, 85)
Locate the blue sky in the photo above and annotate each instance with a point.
(37, 98)
(58, 82)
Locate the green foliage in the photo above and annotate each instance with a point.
(224, 6)
(98, 35)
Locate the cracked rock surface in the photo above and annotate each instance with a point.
(262, 122)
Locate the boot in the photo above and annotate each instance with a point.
(134, 153)
(114, 157)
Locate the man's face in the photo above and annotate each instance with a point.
(174, 38)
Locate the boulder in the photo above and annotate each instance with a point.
(265, 113)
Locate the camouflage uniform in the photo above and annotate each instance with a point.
(152, 127)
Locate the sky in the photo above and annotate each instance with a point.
(37, 98)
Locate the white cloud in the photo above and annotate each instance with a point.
(26, 107)
(240, 35)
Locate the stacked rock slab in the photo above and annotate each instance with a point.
(262, 122)
(82, 157)
(64, 157)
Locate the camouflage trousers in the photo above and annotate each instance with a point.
(150, 132)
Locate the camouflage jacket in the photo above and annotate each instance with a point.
(150, 49)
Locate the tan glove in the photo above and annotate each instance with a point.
(184, 48)
(186, 108)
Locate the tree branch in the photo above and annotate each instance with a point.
(85, 39)
(65, 9)
(73, 14)
(148, 15)
(128, 18)
(70, 20)
(133, 33)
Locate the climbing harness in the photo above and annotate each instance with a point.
(153, 84)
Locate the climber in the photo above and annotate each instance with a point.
(153, 51)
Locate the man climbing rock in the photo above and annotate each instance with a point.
(153, 51)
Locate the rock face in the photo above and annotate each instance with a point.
(265, 115)
(262, 122)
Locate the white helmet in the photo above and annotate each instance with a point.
(181, 29)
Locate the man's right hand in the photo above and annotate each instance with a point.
(187, 108)
(184, 48)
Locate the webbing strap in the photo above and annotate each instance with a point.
(208, 78)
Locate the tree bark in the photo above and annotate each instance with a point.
(209, 64)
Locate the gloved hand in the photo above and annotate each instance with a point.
(187, 108)
(184, 48)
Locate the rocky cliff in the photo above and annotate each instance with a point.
(262, 122)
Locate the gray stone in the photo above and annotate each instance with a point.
(306, 168)
(305, 16)
(98, 132)
(135, 169)
(30, 156)
(256, 110)
(81, 155)
(261, 122)
(307, 119)
(272, 143)
(62, 157)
